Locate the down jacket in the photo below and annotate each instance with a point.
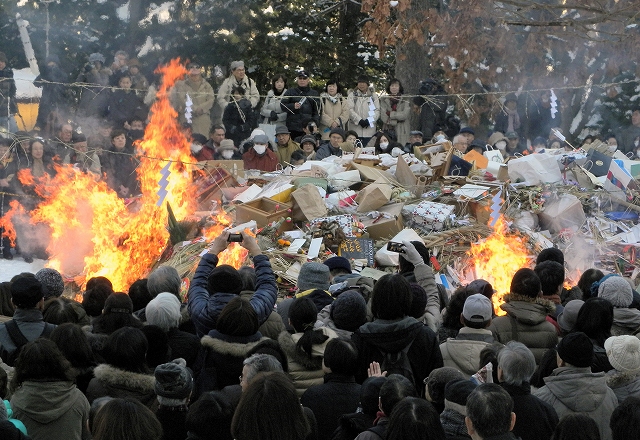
(205, 308)
(303, 371)
(526, 322)
(463, 351)
(577, 390)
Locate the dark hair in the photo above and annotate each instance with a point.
(550, 254)
(406, 266)
(126, 349)
(26, 292)
(217, 127)
(551, 274)
(95, 281)
(210, 416)
(74, 345)
(238, 318)
(272, 396)
(625, 420)
(125, 419)
(490, 354)
(489, 408)
(41, 360)
(158, 351)
(451, 318)
(418, 301)
(303, 314)
(587, 279)
(525, 282)
(269, 346)
(391, 297)
(6, 306)
(60, 310)
(576, 426)
(117, 132)
(389, 137)
(341, 356)
(4, 384)
(116, 314)
(393, 81)
(248, 275)
(139, 294)
(94, 298)
(414, 419)
(350, 132)
(595, 319)
(237, 89)
(396, 388)
(276, 78)
(332, 81)
(298, 155)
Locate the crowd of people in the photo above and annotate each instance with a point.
(342, 357)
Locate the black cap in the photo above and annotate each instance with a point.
(303, 74)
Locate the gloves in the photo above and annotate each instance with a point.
(411, 254)
(273, 117)
(363, 123)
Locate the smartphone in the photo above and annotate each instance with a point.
(235, 238)
(395, 247)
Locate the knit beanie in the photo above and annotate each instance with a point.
(437, 381)
(623, 353)
(173, 380)
(349, 311)
(418, 301)
(225, 279)
(456, 393)
(164, 311)
(52, 282)
(26, 292)
(617, 291)
(338, 263)
(576, 349)
(313, 276)
(567, 318)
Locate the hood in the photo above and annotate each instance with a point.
(288, 343)
(526, 310)
(118, 378)
(578, 389)
(617, 379)
(626, 317)
(45, 402)
(235, 349)
(390, 336)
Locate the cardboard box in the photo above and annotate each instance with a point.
(234, 167)
(385, 227)
(264, 211)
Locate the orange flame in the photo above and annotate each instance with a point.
(235, 255)
(497, 258)
(6, 221)
(93, 231)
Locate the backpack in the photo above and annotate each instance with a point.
(398, 363)
(20, 340)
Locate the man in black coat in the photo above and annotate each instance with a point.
(301, 103)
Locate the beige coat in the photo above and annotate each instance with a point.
(202, 96)
(338, 113)
(398, 120)
(250, 91)
(359, 104)
(464, 354)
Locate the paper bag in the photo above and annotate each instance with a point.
(404, 175)
(344, 180)
(308, 204)
(494, 156)
(535, 169)
(373, 196)
(474, 157)
(563, 213)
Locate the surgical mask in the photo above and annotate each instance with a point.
(227, 154)
(195, 148)
(384, 145)
(501, 145)
(613, 148)
(260, 149)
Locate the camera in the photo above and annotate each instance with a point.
(235, 238)
(395, 247)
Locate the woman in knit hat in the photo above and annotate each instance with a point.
(624, 354)
(618, 292)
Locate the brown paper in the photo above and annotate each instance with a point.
(404, 174)
(472, 156)
(372, 174)
(307, 203)
(385, 227)
(373, 196)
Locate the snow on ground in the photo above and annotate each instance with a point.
(9, 268)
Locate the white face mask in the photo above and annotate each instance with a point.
(227, 154)
(260, 149)
(384, 145)
(195, 148)
(501, 145)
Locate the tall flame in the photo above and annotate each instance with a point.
(497, 258)
(94, 233)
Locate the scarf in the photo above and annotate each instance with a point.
(394, 100)
(514, 120)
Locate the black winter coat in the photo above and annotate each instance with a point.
(239, 120)
(7, 92)
(535, 419)
(122, 106)
(310, 107)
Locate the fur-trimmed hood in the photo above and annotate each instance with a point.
(115, 377)
(616, 379)
(530, 311)
(235, 349)
(288, 343)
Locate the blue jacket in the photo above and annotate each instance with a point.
(205, 308)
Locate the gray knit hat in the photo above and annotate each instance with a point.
(237, 64)
(173, 380)
(349, 311)
(314, 276)
(51, 281)
(617, 291)
(567, 318)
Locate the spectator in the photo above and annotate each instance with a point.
(339, 394)
(526, 317)
(625, 420)
(395, 111)
(333, 147)
(301, 103)
(345, 314)
(201, 95)
(451, 324)
(209, 418)
(52, 106)
(139, 82)
(238, 78)
(364, 110)
(213, 287)
(490, 413)
(174, 385)
(551, 276)
(576, 427)
(286, 146)
(74, 345)
(567, 318)
(335, 109)
(121, 165)
(573, 388)
(227, 151)
(456, 394)
(119, 66)
(354, 423)
(618, 292)
(139, 295)
(125, 418)
(628, 135)
(123, 104)
(624, 355)
(307, 150)
(508, 120)
(8, 104)
(272, 327)
(260, 157)
(535, 419)
(463, 351)
(271, 111)
(435, 384)
(239, 117)
(595, 319)
(216, 136)
(80, 157)
(414, 419)
(117, 313)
